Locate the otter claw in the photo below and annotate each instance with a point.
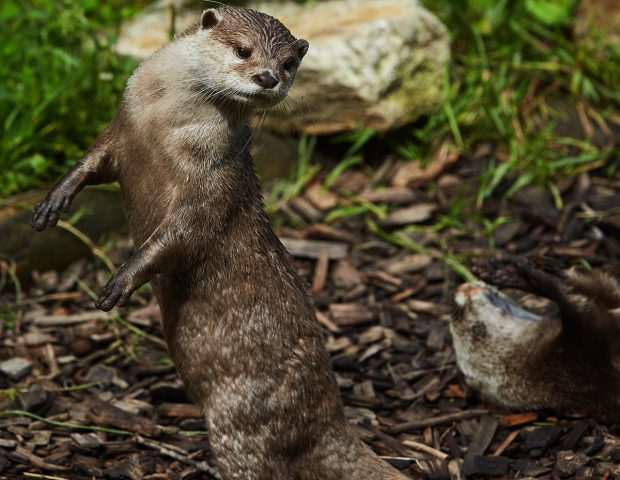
(116, 292)
(47, 212)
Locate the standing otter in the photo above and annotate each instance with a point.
(525, 361)
(238, 322)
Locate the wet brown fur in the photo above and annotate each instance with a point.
(239, 324)
(571, 363)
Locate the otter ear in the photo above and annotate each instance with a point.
(209, 19)
(302, 47)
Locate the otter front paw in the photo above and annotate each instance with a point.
(116, 292)
(47, 212)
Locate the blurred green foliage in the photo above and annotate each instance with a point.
(60, 83)
(515, 64)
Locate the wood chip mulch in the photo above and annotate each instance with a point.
(92, 395)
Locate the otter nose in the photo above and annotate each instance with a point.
(266, 80)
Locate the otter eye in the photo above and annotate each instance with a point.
(243, 52)
(289, 64)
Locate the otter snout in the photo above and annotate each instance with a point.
(266, 80)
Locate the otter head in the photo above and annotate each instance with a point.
(490, 333)
(250, 57)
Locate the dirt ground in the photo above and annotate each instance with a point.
(95, 395)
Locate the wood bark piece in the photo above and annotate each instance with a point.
(346, 314)
(129, 468)
(520, 418)
(320, 231)
(506, 443)
(482, 440)
(38, 462)
(390, 195)
(305, 209)
(187, 410)
(312, 248)
(406, 263)
(320, 271)
(413, 174)
(346, 275)
(414, 214)
(327, 323)
(107, 415)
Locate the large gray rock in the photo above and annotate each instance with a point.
(371, 63)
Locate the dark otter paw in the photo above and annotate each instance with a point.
(47, 212)
(116, 292)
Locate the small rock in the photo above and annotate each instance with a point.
(569, 462)
(16, 368)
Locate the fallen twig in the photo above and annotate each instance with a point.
(426, 449)
(432, 422)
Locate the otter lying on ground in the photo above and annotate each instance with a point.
(522, 360)
(238, 321)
